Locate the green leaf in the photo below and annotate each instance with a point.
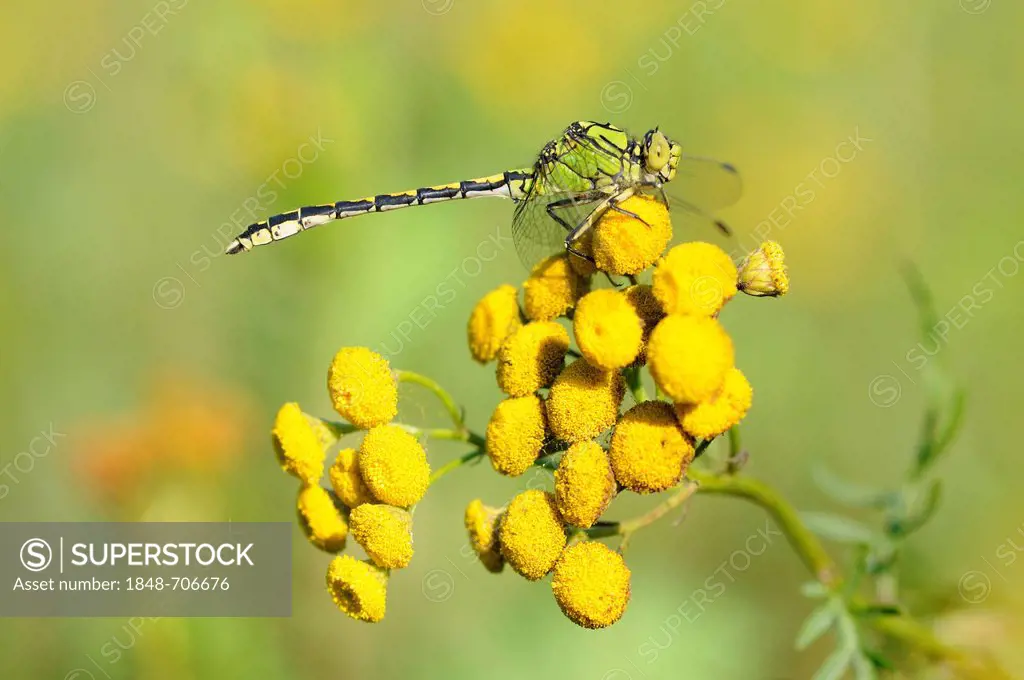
(878, 659)
(863, 667)
(878, 609)
(838, 528)
(908, 525)
(814, 590)
(815, 625)
(850, 493)
(836, 664)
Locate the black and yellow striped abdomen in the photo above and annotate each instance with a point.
(514, 184)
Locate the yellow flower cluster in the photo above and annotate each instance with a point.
(371, 487)
(568, 415)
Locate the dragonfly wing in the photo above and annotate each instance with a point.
(705, 185)
(537, 234)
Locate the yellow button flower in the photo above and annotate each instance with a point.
(482, 523)
(385, 532)
(607, 328)
(552, 289)
(394, 466)
(584, 244)
(362, 387)
(299, 443)
(649, 451)
(584, 485)
(532, 534)
(321, 519)
(591, 584)
(647, 307)
(689, 357)
(531, 358)
(695, 278)
(624, 245)
(763, 272)
(359, 588)
(493, 319)
(516, 434)
(584, 401)
(713, 417)
(347, 481)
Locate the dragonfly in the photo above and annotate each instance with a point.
(590, 169)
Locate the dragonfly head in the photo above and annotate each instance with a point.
(660, 156)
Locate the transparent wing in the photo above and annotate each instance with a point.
(537, 234)
(705, 185)
(701, 187)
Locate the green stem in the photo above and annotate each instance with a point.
(457, 462)
(628, 527)
(634, 379)
(454, 412)
(806, 544)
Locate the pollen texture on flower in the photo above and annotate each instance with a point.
(385, 533)
(624, 245)
(584, 401)
(552, 289)
(394, 466)
(323, 522)
(532, 534)
(591, 584)
(359, 588)
(608, 330)
(711, 418)
(584, 484)
(346, 480)
(689, 357)
(531, 358)
(516, 434)
(298, 445)
(493, 319)
(695, 278)
(362, 387)
(482, 523)
(649, 451)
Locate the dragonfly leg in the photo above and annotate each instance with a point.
(586, 197)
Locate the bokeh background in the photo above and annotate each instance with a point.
(136, 138)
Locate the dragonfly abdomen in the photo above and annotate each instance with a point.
(514, 184)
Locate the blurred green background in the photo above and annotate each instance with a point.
(133, 135)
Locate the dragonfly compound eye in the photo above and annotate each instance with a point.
(657, 152)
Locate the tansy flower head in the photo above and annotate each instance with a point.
(532, 534)
(641, 298)
(584, 485)
(689, 357)
(584, 401)
(493, 319)
(321, 519)
(763, 272)
(347, 481)
(516, 434)
(385, 532)
(362, 387)
(649, 451)
(552, 288)
(585, 245)
(591, 584)
(394, 466)
(359, 588)
(482, 523)
(299, 441)
(607, 328)
(531, 357)
(695, 278)
(711, 418)
(625, 245)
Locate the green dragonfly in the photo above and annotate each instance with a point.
(590, 169)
